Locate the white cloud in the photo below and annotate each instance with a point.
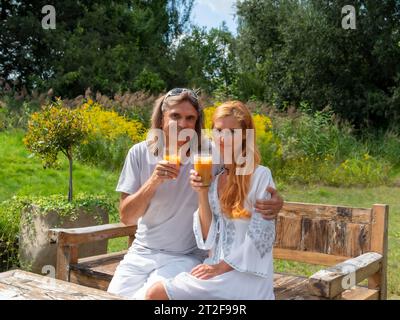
(211, 13)
(225, 7)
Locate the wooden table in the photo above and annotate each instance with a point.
(23, 285)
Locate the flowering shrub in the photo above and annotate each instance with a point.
(268, 143)
(208, 114)
(109, 137)
(109, 124)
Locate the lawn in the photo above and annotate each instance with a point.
(24, 175)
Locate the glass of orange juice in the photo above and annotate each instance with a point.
(173, 159)
(203, 166)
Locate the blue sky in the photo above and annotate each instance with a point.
(211, 13)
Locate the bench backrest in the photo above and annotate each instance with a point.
(327, 235)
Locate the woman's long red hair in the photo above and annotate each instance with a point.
(234, 195)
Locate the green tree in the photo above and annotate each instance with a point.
(104, 45)
(297, 51)
(206, 59)
(53, 130)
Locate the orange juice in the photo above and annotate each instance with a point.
(203, 166)
(173, 159)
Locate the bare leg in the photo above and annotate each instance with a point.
(156, 292)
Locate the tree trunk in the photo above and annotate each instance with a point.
(70, 177)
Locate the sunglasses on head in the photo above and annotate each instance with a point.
(179, 91)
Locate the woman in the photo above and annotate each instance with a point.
(240, 262)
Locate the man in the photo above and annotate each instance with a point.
(158, 198)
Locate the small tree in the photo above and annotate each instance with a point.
(55, 129)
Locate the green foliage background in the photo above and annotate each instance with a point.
(284, 53)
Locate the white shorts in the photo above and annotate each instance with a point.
(138, 271)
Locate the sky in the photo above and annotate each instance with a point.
(211, 13)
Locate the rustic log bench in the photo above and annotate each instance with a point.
(351, 242)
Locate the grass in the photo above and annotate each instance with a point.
(21, 175)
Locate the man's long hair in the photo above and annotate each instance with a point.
(161, 105)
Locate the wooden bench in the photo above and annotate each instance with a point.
(350, 242)
(23, 285)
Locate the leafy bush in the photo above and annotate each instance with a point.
(105, 153)
(16, 114)
(351, 172)
(385, 145)
(10, 211)
(315, 135)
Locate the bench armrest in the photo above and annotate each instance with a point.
(82, 235)
(68, 240)
(331, 282)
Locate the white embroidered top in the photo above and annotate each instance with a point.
(245, 244)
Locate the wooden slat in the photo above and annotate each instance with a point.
(361, 216)
(102, 259)
(90, 281)
(89, 234)
(379, 243)
(358, 239)
(329, 283)
(314, 235)
(288, 232)
(290, 287)
(322, 211)
(96, 272)
(337, 234)
(323, 236)
(307, 257)
(360, 293)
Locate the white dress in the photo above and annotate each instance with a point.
(245, 244)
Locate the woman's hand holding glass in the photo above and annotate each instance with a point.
(197, 183)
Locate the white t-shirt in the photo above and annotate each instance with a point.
(167, 224)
